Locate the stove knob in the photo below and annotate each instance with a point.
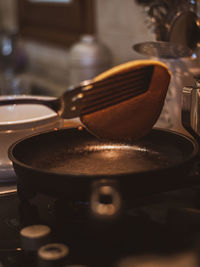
(52, 255)
(34, 236)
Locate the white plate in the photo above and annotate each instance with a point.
(19, 121)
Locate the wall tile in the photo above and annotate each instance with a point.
(121, 24)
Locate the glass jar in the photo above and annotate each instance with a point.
(183, 65)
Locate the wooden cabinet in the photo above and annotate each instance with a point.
(56, 23)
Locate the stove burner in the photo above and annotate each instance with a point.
(159, 228)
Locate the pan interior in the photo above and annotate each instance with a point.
(79, 153)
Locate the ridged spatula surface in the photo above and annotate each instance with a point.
(131, 117)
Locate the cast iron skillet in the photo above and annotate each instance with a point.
(75, 164)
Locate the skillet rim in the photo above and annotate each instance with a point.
(193, 142)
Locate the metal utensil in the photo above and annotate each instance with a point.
(174, 21)
(91, 96)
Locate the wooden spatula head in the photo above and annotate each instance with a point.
(135, 117)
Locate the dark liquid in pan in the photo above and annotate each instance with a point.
(107, 159)
(77, 152)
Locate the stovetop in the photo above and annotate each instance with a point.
(159, 230)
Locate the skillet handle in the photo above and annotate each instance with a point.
(105, 200)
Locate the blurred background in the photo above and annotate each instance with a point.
(46, 46)
(45, 31)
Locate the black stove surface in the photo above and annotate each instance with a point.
(159, 230)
